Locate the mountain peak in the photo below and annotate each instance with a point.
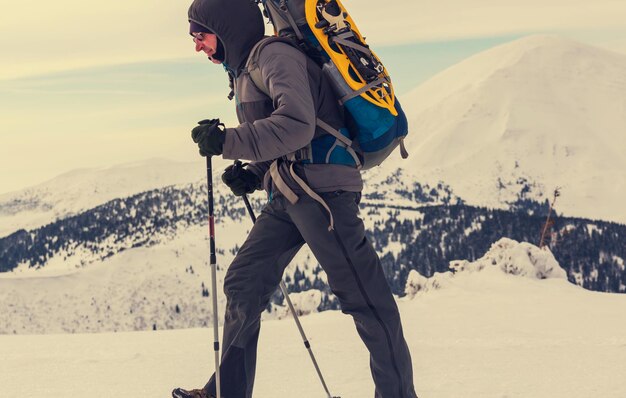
(542, 109)
(538, 50)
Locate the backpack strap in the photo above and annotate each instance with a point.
(347, 142)
(252, 65)
(363, 89)
(285, 9)
(291, 196)
(341, 39)
(313, 195)
(403, 152)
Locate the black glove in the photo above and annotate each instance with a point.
(210, 137)
(241, 181)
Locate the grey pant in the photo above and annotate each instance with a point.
(354, 274)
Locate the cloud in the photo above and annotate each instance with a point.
(70, 34)
(428, 20)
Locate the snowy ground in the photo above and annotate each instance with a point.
(483, 335)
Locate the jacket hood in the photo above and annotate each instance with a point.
(238, 24)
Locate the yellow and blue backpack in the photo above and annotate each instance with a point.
(376, 124)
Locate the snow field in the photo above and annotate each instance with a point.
(484, 334)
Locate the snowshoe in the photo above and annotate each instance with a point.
(182, 393)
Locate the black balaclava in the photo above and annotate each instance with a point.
(238, 25)
(197, 28)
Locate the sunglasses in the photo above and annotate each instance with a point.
(198, 37)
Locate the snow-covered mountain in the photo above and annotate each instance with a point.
(79, 190)
(484, 333)
(125, 247)
(165, 286)
(520, 120)
(508, 124)
(83, 189)
(141, 262)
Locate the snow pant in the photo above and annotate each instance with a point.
(354, 274)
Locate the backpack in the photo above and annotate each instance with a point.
(375, 121)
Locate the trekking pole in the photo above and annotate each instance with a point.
(283, 289)
(213, 261)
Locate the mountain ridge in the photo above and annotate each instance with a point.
(542, 108)
(81, 189)
(147, 254)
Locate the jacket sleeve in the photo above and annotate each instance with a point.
(291, 125)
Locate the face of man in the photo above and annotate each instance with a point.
(206, 42)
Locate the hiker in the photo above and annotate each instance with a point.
(316, 204)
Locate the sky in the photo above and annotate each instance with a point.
(94, 84)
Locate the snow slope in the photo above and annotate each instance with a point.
(138, 289)
(82, 189)
(534, 114)
(486, 334)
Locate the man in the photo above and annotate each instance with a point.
(271, 128)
